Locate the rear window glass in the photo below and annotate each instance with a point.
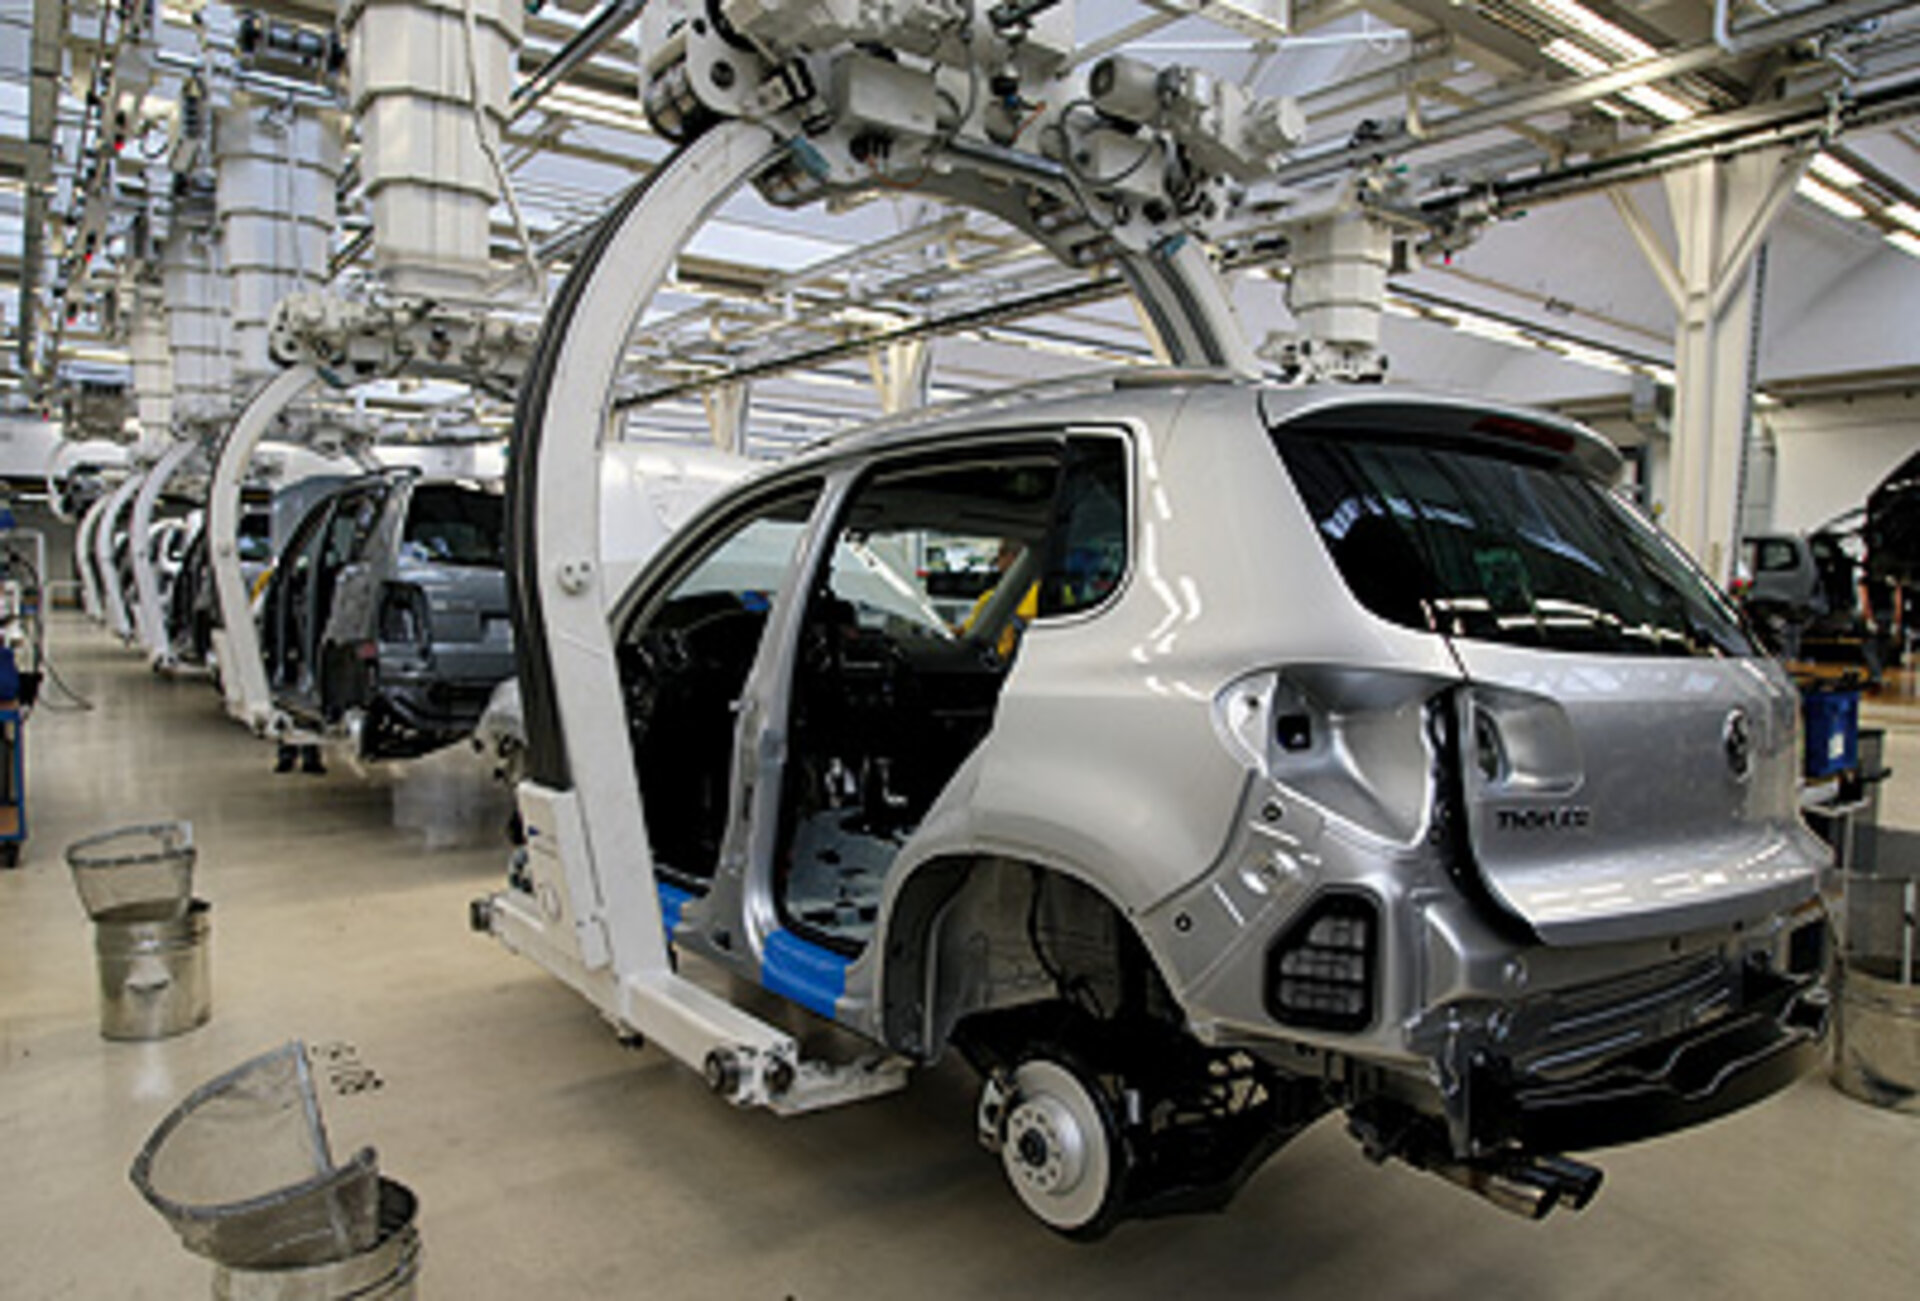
(452, 525)
(256, 537)
(1776, 555)
(1462, 540)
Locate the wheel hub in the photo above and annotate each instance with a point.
(1056, 1144)
(1048, 1144)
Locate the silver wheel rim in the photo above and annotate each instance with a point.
(1056, 1151)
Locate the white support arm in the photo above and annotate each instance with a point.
(242, 673)
(113, 601)
(613, 904)
(149, 620)
(91, 600)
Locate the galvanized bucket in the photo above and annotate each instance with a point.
(1877, 1046)
(388, 1271)
(1877, 1049)
(154, 972)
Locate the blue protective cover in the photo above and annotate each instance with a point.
(811, 976)
(672, 901)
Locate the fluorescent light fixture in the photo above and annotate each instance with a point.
(1833, 171)
(1594, 358)
(868, 318)
(623, 104)
(1665, 106)
(1583, 20)
(1832, 200)
(1568, 55)
(826, 379)
(1248, 17)
(594, 106)
(1906, 241)
(1668, 108)
(1904, 213)
(784, 416)
(99, 356)
(1497, 331)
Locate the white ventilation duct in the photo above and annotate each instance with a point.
(279, 165)
(427, 78)
(197, 309)
(150, 348)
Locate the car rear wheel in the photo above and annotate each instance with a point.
(1059, 1143)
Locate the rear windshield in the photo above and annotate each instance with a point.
(448, 524)
(256, 536)
(1467, 541)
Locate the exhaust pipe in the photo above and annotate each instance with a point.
(1530, 1187)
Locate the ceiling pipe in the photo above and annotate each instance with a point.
(1768, 34)
(594, 35)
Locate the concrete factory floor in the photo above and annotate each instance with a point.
(551, 1162)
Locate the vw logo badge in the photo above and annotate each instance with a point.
(1736, 739)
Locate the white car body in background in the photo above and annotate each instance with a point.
(647, 490)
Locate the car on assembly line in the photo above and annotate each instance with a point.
(386, 612)
(1317, 749)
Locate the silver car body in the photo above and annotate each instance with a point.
(1574, 885)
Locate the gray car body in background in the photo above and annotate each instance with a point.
(386, 614)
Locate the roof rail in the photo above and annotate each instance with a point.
(1107, 379)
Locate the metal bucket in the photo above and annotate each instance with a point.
(1877, 1044)
(1877, 1048)
(154, 973)
(390, 1269)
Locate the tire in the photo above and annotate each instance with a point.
(1061, 1148)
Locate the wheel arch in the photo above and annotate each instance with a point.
(968, 935)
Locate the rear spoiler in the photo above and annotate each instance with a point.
(1429, 420)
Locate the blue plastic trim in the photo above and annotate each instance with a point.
(672, 900)
(811, 976)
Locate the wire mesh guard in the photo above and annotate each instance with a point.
(1883, 925)
(142, 873)
(242, 1171)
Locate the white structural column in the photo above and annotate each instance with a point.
(901, 372)
(1721, 214)
(149, 621)
(727, 405)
